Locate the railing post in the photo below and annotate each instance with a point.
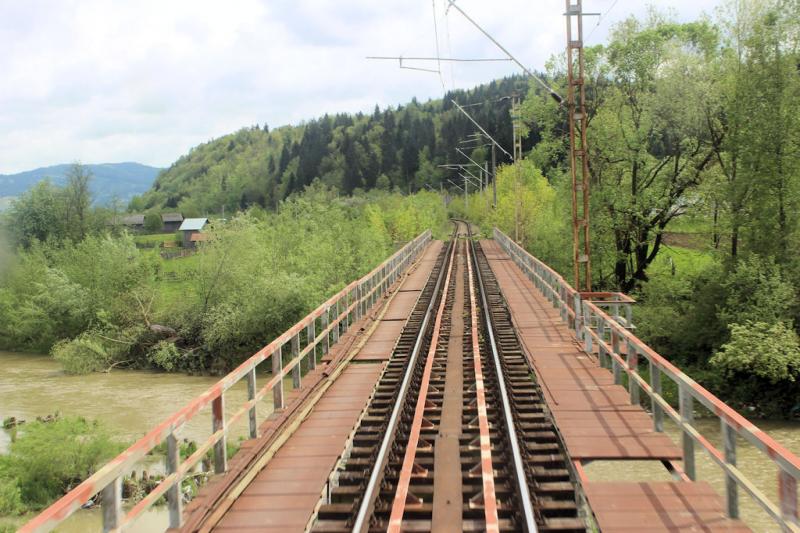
(633, 368)
(324, 325)
(614, 363)
(112, 505)
(336, 321)
(296, 369)
(174, 496)
(357, 309)
(217, 424)
(311, 334)
(277, 370)
(731, 488)
(687, 417)
(576, 305)
(787, 489)
(587, 329)
(602, 355)
(658, 411)
(251, 394)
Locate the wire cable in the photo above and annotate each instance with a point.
(438, 54)
(557, 97)
(449, 49)
(601, 19)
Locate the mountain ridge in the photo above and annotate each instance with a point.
(396, 147)
(110, 181)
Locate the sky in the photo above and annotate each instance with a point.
(101, 81)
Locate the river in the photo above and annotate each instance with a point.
(131, 402)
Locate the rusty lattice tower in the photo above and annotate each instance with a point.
(578, 148)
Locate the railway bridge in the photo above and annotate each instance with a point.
(459, 386)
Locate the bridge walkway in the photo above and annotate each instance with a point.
(282, 496)
(598, 422)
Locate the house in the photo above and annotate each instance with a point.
(133, 222)
(170, 222)
(189, 227)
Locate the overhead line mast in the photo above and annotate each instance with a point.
(578, 145)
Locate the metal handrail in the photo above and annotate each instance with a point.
(348, 306)
(620, 349)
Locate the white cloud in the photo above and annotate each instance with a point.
(146, 80)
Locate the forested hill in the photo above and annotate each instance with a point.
(394, 147)
(110, 181)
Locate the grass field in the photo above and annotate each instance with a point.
(176, 280)
(156, 238)
(686, 261)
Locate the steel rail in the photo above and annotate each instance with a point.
(361, 522)
(522, 485)
(487, 469)
(409, 460)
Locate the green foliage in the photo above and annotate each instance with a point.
(10, 495)
(760, 366)
(768, 351)
(48, 459)
(756, 292)
(83, 354)
(152, 222)
(256, 276)
(47, 211)
(55, 292)
(394, 147)
(165, 355)
(529, 208)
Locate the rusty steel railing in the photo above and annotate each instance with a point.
(322, 328)
(620, 350)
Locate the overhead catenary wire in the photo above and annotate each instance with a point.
(601, 19)
(481, 129)
(438, 53)
(557, 97)
(449, 49)
(451, 59)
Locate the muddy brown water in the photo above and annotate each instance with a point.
(128, 402)
(131, 402)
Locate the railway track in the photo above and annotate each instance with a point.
(456, 436)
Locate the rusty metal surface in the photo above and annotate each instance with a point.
(659, 506)
(410, 467)
(447, 483)
(485, 443)
(300, 468)
(602, 331)
(573, 382)
(451, 448)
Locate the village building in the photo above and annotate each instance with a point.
(171, 222)
(190, 227)
(133, 222)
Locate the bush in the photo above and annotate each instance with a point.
(49, 459)
(152, 222)
(82, 354)
(769, 351)
(165, 355)
(761, 366)
(10, 497)
(756, 292)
